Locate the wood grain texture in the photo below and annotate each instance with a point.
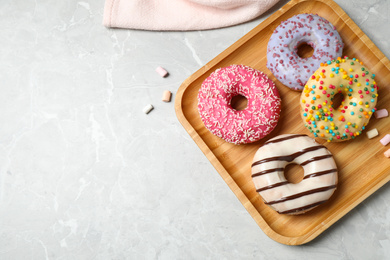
(362, 166)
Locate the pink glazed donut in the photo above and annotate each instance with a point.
(256, 121)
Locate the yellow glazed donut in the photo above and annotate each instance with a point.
(358, 87)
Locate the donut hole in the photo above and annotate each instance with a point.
(305, 50)
(337, 100)
(293, 173)
(239, 102)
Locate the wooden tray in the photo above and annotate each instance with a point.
(362, 166)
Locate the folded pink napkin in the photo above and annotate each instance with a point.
(181, 15)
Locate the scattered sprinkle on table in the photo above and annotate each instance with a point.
(163, 73)
(166, 96)
(147, 109)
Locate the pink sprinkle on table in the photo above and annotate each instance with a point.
(166, 96)
(163, 73)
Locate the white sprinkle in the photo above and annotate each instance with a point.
(147, 109)
(372, 133)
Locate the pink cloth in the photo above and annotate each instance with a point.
(181, 15)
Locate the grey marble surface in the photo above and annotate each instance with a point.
(85, 174)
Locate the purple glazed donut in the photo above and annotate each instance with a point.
(282, 58)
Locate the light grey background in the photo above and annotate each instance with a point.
(85, 174)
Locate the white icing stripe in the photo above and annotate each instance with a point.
(301, 194)
(304, 201)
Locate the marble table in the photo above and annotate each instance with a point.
(85, 174)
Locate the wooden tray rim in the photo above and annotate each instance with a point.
(219, 167)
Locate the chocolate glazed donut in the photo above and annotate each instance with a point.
(320, 173)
